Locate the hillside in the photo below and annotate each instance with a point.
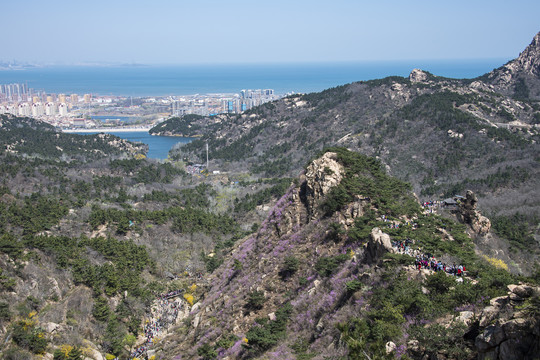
(325, 277)
(40, 140)
(91, 232)
(441, 135)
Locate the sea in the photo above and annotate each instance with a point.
(148, 81)
(210, 79)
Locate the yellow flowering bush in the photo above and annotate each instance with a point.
(498, 263)
(189, 298)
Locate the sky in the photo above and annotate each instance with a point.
(255, 31)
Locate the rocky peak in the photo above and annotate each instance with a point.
(524, 71)
(529, 60)
(418, 75)
(321, 176)
(468, 214)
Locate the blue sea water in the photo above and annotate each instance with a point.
(158, 146)
(205, 79)
(104, 118)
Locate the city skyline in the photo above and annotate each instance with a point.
(240, 31)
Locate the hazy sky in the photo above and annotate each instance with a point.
(240, 31)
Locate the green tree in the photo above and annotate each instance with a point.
(101, 310)
(290, 266)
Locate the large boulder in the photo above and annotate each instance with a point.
(378, 245)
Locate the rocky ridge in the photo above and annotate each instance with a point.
(525, 69)
(298, 263)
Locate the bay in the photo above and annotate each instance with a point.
(158, 146)
(205, 79)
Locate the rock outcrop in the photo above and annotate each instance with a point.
(511, 327)
(528, 61)
(418, 75)
(468, 214)
(378, 245)
(321, 176)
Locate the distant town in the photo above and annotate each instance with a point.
(90, 111)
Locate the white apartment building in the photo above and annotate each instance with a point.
(23, 109)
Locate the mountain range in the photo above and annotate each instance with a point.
(392, 218)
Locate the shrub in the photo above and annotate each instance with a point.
(439, 282)
(267, 333)
(336, 232)
(206, 352)
(67, 352)
(353, 286)
(255, 300)
(237, 265)
(326, 266)
(189, 298)
(437, 339)
(29, 336)
(290, 266)
(498, 263)
(5, 314)
(226, 341)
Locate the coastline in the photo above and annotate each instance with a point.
(106, 130)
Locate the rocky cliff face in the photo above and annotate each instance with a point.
(321, 176)
(511, 326)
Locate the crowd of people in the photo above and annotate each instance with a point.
(164, 314)
(427, 261)
(431, 206)
(171, 294)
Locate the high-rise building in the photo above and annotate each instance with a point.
(87, 98)
(23, 109)
(12, 109)
(62, 109)
(61, 98)
(50, 109)
(38, 109)
(74, 98)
